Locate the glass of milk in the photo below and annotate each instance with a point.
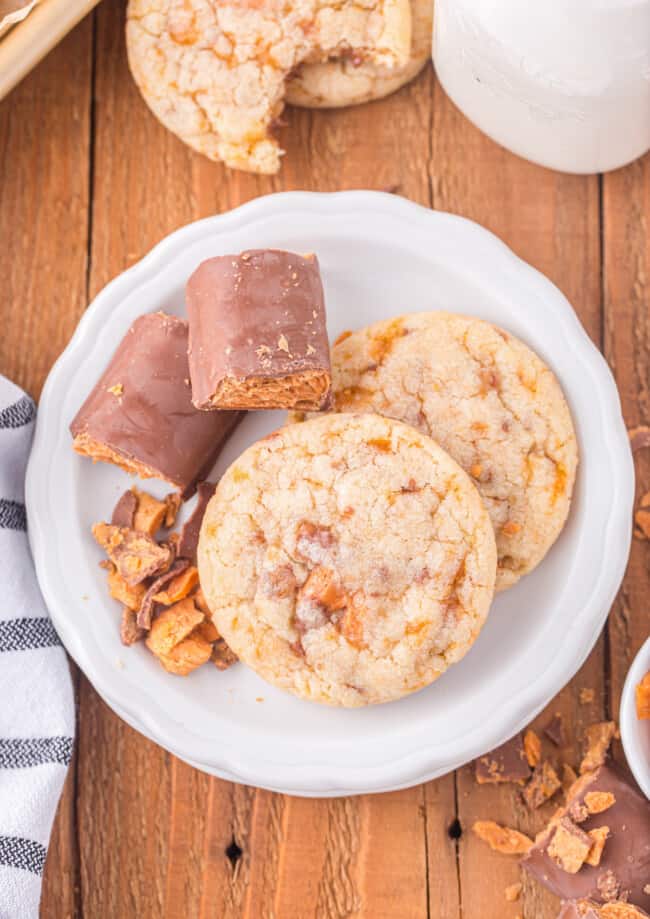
(564, 83)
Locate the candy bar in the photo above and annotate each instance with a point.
(140, 414)
(599, 800)
(257, 332)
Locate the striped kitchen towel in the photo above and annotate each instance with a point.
(36, 699)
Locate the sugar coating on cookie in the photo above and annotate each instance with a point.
(214, 72)
(351, 80)
(348, 559)
(489, 401)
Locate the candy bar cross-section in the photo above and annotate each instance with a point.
(140, 416)
(257, 332)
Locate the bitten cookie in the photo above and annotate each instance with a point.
(489, 401)
(352, 81)
(214, 72)
(348, 560)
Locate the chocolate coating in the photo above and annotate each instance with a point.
(257, 319)
(189, 538)
(506, 763)
(124, 510)
(626, 855)
(140, 414)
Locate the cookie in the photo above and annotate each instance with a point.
(214, 72)
(348, 559)
(352, 81)
(489, 401)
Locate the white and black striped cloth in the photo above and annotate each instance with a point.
(36, 698)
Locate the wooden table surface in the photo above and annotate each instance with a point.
(89, 183)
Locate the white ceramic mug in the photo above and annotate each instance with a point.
(564, 83)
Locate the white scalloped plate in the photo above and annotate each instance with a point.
(380, 255)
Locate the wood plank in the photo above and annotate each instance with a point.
(626, 278)
(44, 144)
(443, 876)
(552, 221)
(44, 163)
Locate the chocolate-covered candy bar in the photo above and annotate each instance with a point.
(599, 799)
(257, 332)
(140, 415)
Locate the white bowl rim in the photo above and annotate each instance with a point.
(629, 723)
(428, 762)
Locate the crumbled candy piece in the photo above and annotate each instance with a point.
(506, 763)
(554, 730)
(208, 630)
(172, 503)
(598, 801)
(124, 510)
(187, 655)
(135, 555)
(313, 543)
(598, 738)
(179, 587)
(569, 846)
(513, 892)
(150, 513)
(589, 909)
(569, 776)
(119, 590)
(642, 520)
(222, 656)
(200, 601)
(174, 624)
(146, 607)
(578, 812)
(598, 835)
(621, 910)
(129, 629)
(542, 786)
(608, 885)
(532, 748)
(320, 597)
(639, 437)
(502, 839)
(642, 696)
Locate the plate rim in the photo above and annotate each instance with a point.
(417, 765)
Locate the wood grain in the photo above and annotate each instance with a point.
(44, 203)
(90, 182)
